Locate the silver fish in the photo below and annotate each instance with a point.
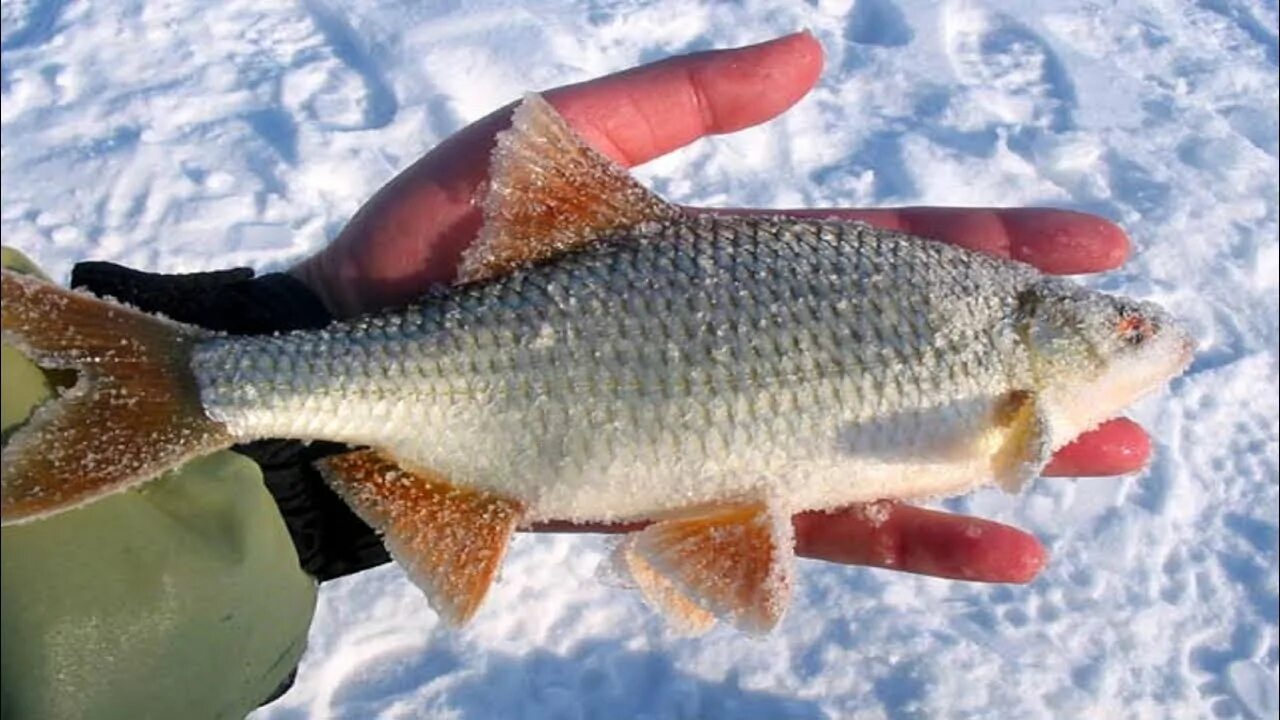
(608, 356)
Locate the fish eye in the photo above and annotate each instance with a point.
(1133, 329)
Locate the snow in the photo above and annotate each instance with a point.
(182, 136)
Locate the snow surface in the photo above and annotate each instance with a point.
(179, 136)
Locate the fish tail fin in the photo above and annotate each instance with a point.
(133, 412)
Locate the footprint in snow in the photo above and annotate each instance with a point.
(878, 22)
(347, 90)
(32, 23)
(1242, 15)
(1012, 71)
(397, 670)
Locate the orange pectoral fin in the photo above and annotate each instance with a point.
(731, 561)
(1025, 446)
(449, 539)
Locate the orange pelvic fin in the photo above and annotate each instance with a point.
(731, 561)
(549, 192)
(449, 539)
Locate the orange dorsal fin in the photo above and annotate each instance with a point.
(732, 561)
(549, 192)
(449, 539)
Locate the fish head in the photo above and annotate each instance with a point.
(1091, 354)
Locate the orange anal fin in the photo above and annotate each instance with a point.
(731, 561)
(449, 539)
(680, 610)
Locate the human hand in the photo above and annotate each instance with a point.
(411, 234)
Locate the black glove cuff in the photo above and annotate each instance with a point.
(233, 301)
(331, 540)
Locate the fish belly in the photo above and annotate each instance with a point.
(635, 459)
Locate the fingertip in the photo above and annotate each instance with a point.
(1115, 447)
(1011, 556)
(800, 53)
(968, 548)
(746, 86)
(1065, 242)
(1115, 242)
(645, 112)
(802, 44)
(919, 540)
(807, 57)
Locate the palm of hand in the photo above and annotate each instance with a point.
(413, 231)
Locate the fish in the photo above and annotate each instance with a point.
(607, 356)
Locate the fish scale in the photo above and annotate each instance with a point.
(610, 356)
(791, 362)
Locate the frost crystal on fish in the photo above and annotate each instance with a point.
(608, 356)
(825, 362)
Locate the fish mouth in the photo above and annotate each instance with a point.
(1082, 406)
(1183, 351)
(1186, 350)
